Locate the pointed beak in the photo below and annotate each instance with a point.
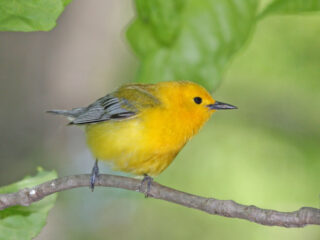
(221, 106)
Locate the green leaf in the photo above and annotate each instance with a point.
(30, 15)
(189, 40)
(163, 16)
(291, 7)
(66, 2)
(20, 222)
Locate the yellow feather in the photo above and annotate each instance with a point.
(148, 142)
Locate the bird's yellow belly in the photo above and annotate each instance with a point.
(132, 146)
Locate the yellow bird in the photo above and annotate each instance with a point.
(140, 128)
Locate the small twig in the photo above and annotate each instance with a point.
(227, 208)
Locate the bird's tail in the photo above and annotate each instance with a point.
(71, 114)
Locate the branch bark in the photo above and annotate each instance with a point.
(227, 208)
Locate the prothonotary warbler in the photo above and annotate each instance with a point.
(140, 128)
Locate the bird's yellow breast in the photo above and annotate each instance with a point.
(145, 144)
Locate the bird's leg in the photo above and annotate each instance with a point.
(149, 180)
(94, 175)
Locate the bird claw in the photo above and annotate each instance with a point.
(94, 175)
(149, 181)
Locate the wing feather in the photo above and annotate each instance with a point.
(125, 103)
(105, 108)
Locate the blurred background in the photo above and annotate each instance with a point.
(267, 153)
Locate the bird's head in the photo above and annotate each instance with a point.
(190, 99)
(191, 96)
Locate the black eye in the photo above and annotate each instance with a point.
(197, 100)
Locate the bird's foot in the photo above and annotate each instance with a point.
(94, 175)
(149, 181)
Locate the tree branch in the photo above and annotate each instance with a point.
(227, 208)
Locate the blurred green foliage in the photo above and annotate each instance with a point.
(195, 40)
(20, 222)
(189, 40)
(31, 15)
(291, 7)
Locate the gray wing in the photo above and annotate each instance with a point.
(106, 108)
